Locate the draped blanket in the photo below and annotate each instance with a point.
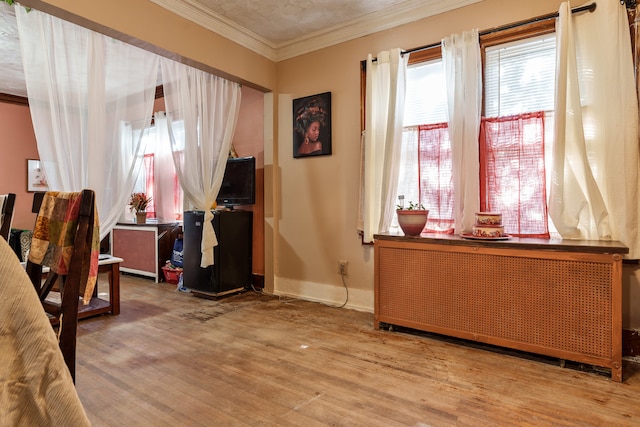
(55, 232)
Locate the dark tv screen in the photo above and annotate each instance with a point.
(239, 183)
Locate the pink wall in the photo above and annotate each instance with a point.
(18, 144)
(248, 140)
(158, 105)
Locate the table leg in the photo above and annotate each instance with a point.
(114, 288)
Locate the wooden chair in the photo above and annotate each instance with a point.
(7, 215)
(65, 311)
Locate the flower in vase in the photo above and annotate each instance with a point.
(138, 202)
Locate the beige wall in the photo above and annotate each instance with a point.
(319, 201)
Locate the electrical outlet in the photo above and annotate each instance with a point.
(343, 267)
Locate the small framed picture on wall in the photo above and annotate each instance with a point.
(36, 179)
(312, 125)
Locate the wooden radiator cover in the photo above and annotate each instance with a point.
(563, 304)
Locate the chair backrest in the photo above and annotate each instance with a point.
(66, 311)
(6, 215)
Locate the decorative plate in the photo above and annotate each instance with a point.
(472, 237)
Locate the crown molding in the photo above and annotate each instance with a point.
(220, 25)
(401, 14)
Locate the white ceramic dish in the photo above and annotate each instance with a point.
(488, 218)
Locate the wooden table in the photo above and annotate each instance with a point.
(106, 264)
(111, 265)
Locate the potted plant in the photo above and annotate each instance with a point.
(138, 204)
(412, 219)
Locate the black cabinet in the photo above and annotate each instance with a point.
(231, 271)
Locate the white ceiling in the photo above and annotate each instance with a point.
(276, 29)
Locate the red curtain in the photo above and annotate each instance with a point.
(150, 189)
(435, 176)
(512, 173)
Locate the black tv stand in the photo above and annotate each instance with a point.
(216, 296)
(231, 272)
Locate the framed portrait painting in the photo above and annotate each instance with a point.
(312, 125)
(36, 179)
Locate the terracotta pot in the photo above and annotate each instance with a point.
(412, 222)
(141, 217)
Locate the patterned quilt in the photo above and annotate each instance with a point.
(54, 234)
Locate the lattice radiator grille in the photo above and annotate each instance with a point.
(545, 303)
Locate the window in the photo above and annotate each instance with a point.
(517, 68)
(519, 75)
(144, 183)
(513, 178)
(425, 169)
(158, 160)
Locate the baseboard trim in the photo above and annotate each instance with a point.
(330, 294)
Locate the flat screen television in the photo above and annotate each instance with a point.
(239, 183)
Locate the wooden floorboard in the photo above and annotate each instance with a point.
(171, 359)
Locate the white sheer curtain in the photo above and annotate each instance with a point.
(208, 107)
(594, 191)
(81, 86)
(463, 77)
(385, 94)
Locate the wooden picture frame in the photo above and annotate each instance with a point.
(312, 125)
(36, 179)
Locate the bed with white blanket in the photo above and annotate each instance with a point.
(35, 385)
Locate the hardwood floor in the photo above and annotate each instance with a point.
(170, 359)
